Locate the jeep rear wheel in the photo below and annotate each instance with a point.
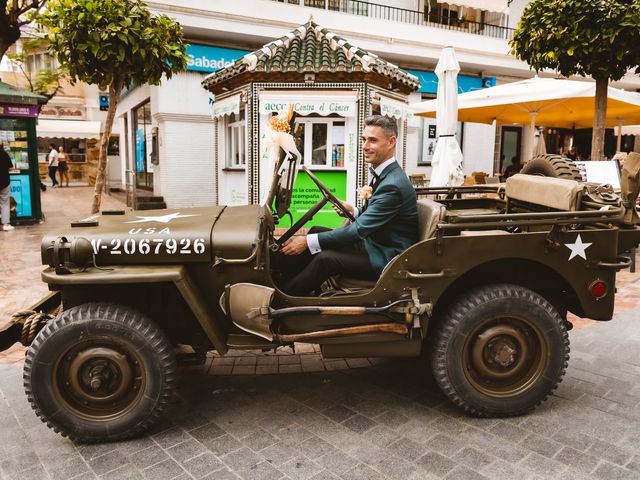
(99, 372)
(500, 351)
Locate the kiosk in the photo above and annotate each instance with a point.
(18, 112)
(333, 85)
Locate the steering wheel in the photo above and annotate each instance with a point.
(335, 201)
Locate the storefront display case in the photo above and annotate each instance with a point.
(18, 113)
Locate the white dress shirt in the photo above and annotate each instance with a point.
(312, 239)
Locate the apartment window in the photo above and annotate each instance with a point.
(236, 140)
(322, 142)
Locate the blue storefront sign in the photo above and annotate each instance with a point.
(20, 190)
(205, 58)
(429, 82)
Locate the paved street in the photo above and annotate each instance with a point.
(366, 419)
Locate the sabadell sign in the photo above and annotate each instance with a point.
(204, 58)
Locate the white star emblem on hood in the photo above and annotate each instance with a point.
(160, 218)
(578, 249)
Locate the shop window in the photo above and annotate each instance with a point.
(236, 140)
(76, 149)
(322, 142)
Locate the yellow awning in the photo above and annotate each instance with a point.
(550, 102)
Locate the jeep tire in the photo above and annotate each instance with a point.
(550, 165)
(99, 372)
(500, 351)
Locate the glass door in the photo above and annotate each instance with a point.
(510, 146)
(142, 143)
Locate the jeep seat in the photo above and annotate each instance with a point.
(430, 213)
(556, 193)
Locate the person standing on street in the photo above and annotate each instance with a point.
(5, 189)
(63, 167)
(52, 158)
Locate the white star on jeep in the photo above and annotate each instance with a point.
(578, 249)
(160, 218)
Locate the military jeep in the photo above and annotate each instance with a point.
(485, 292)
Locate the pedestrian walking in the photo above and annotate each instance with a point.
(5, 189)
(52, 158)
(63, 167)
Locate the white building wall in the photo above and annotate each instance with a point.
(185, 175)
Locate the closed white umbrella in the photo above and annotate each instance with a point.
(447, 158)
(541, 148)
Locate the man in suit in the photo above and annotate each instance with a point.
(386, 225)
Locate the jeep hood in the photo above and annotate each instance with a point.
(148, 236)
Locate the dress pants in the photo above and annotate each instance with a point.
(305, 273)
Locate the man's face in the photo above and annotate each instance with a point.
(377, 146)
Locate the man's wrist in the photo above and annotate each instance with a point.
(313, 244)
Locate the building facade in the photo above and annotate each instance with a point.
(176, 117)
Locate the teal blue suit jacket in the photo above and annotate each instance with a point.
(387, 225)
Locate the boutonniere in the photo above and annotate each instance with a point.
(365, 193)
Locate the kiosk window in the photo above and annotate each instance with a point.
(322, 142)
(236, 132)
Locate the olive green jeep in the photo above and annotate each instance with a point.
(485, 292)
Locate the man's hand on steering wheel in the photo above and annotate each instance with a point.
(346, 208)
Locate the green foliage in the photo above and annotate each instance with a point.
(113, 42)
(599, 38)
(14, 14)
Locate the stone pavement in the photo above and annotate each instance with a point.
(386, 420)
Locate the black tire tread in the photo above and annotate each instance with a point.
(454, 316)
(129, 318)
(552, 165)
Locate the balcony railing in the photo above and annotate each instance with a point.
(436, 18)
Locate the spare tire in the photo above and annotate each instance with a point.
(550, 165)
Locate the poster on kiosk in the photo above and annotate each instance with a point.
(18, 139)
(327, 143)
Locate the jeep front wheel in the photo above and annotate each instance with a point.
(99, 372)
(500, 351)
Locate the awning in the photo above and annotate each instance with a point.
(226, 106)
(631, 130)
(67, 129)
(501, 6)
(394, 108)
(344, 105)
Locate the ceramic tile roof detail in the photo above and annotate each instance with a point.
(311, 48)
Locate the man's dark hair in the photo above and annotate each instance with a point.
(386, 123)
(52, 145)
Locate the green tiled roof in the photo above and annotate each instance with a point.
(11, 94)
(311, 48)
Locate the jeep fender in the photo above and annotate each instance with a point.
(176, 274)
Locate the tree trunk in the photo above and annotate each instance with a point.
(115, 89)
(8, 38)
(599, 119)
